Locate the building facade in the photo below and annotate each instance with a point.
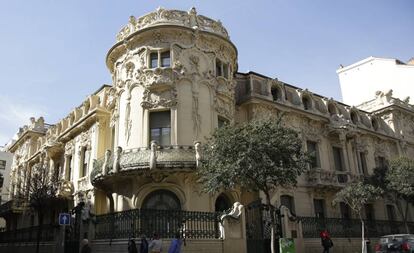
(135, 144)
(6, 159)
(376, 74)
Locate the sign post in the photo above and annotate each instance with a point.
(64, 219)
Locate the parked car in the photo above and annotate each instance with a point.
(403, 243)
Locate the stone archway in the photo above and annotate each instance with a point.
(161, 200)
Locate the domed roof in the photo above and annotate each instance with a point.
(172, 17)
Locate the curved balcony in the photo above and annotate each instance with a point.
(330, 178)
(144, 159)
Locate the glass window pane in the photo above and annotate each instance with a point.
(319, 205)
(160, 119)
(154, 60)
(313, 151)
(218, 68)
(155, 134)
(337, 153)
(165, 59)
(165, 138)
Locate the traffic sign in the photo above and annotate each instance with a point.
(64, 219)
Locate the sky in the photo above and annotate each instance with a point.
(53, 52)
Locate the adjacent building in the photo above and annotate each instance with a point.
(6, 159)
(134, 144)
(361, 80)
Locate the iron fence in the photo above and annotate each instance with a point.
(351, 228)
(30, 234)
(166, 223)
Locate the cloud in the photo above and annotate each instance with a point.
(15, 114)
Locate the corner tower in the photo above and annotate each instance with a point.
(172, 77)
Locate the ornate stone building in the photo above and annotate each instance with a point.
(135, 144)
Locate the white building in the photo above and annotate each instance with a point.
(360, 80)
(5, 165)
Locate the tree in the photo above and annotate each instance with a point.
(400, 183)
(42, 190)
(356, 195)
(259, 156)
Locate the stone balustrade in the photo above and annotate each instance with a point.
(330, 178)
(145, 158)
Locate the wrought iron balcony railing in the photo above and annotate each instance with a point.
(350, 228)
(164, 157)
(133, 223)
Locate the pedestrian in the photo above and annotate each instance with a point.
(176, 243)
(326, 241)
(85, 246)
(132, 247)
(155, 246)
(143, 248)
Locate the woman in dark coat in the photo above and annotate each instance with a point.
(132, 247)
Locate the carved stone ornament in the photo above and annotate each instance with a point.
(172, 17)
(69, 147)
(154, 99)
(234, 213)
(224, 108)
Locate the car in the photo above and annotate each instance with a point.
(397, 243)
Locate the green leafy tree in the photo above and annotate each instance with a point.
(356, 195)
(259, 156)
(400, 185)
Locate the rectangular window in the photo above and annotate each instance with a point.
(391, 213)
(154, 60)
(381, 162)
(363, 163)
(338, 158)
(345, 210)
(369, 212)
(218, 68)
(313, 151)
(85, 161)
(319, 205)
(165, 59)
(69, 164)
(288, 201)
(2, 164)
(160, 127)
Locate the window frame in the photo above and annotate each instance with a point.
(341, 157)
(317, 156)
(156, 56)
(159, 128)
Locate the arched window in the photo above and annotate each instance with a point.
(161, 200)
(307, 104)
(354, 117)
(222, 203)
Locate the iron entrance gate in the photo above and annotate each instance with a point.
(258, 227)
(72, 232)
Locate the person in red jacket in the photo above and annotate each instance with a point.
(326, 241)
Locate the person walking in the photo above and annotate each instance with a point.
(143, 248)
(326, 241)
(85, 246)
(132, 247)
(176, 243)
(155, 246)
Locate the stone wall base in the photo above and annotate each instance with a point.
(44, 247)
(341, 245)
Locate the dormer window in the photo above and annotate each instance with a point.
(354, 117)
(159, 59)
(222, 69)
(307, 105)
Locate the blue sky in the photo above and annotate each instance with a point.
(53, 51)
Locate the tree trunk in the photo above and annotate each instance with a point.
(272, 224)
(363, 236)
(39, 230)
(407, 229)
